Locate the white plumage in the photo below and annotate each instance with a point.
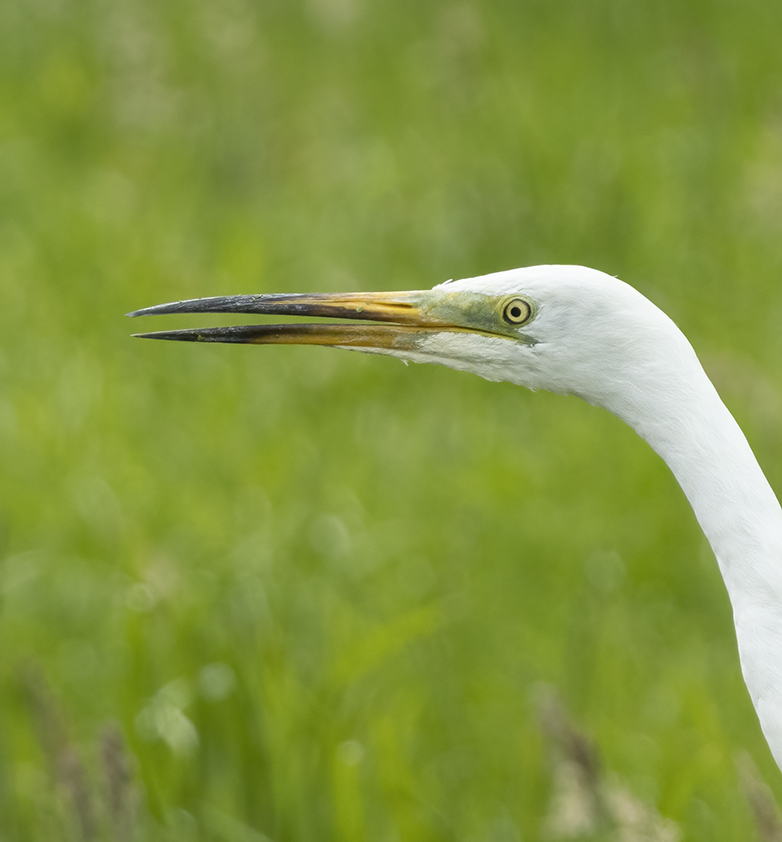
(587, 334)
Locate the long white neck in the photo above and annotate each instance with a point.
(682, 417)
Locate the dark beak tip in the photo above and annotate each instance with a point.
(178, 336)
(147, 311)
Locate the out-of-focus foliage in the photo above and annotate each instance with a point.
(291, 594)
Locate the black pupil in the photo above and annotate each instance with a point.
(515, 311)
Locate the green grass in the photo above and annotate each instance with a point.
(317, 593)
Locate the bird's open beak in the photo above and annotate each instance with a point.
(392, 321)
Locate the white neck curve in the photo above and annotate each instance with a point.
(680, 414)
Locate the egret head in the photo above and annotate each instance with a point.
(573, 330)
(565, 329)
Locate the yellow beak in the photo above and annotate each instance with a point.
(396, 320)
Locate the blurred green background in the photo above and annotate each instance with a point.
(293, 594)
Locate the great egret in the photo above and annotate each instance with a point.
(577, 331)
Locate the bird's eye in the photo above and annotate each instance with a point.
(516, 311)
